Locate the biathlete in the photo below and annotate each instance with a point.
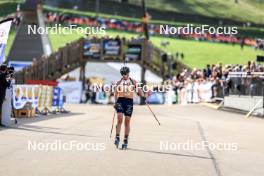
(124, 94)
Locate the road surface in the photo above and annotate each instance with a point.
(170, 149)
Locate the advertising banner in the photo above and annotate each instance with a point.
(40, 96)
(57, 98)
(112, 47)
(133, 52)
(25, 93)
(156, 98)
(72, 90)
(92, 50)
(4, 32)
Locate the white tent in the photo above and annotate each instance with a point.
(110, 72)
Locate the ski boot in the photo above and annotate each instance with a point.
(124, 145)
(117, 140)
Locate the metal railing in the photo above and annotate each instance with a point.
(243, 83)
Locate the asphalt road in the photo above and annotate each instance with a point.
(234, 147)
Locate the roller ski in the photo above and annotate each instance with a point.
(124, 145)
(117, 140)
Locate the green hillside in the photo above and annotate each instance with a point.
(197, 54)
(253, 32)
(244, 10)
(8, 7)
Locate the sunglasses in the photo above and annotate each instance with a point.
(124, 74)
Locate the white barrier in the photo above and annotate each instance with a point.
(72, 90)
(196, 93)
(170, 97)
(245, 103)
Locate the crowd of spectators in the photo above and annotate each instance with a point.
(219, 71)
(216, 79)
(218, 76)
(137, 27)
(259, 44)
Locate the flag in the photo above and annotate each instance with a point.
(4, 32)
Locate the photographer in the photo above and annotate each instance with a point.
(4, 83)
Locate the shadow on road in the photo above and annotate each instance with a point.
(168, 153)
(23, 121)
(47, 131)
(39, 118)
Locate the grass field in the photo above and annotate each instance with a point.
(197, 54)
(244, 10)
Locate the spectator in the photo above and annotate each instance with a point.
(242, 43)
(208, 71)
(88, 92)
(3, 85)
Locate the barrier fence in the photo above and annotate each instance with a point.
(41, 97)
(197, 92)
(247, 84)
(194, 92)
(246, 92)
(26, 100)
